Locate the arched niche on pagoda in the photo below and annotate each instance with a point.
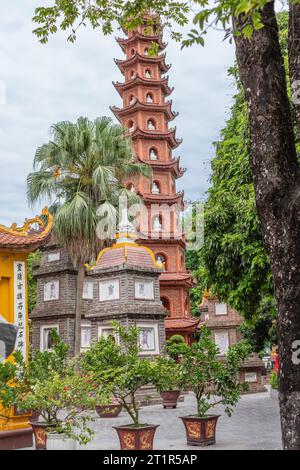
(155, 187)
(131, 125)
(151, 124)
(149, 97)
(166, 304)
(148, 73)
(153, 153)
(162, 260)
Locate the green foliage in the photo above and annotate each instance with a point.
(166, 374)
(175, 346)
(33, 259)
(119, 368)
(274, 380)
(69, 15)
(53, 385)
(82, 170)
(233, 262)
(213, 381)
(57, 398)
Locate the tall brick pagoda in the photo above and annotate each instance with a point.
(146, 112)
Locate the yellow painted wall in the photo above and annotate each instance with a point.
(7, 312)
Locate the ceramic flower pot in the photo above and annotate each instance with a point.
(136, 438)
(60, 442)
(39, 429)
(108, 411)
(200, 431)
(170, 398)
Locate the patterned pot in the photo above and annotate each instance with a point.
(133, 438)
(170, 398)
(108, 411)
(60, 442)
(200, 431)
(40, 434)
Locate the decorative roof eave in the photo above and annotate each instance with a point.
(182, 324)
(168, 165)
(160, 60)
(26, 238)
(158, 135)
(155, 38)
(145, 239)
(177, 198)
(139, 105)
(183, 279)
(163, 83)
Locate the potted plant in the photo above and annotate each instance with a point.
(175, 347)
(120, 368)
(111, 410)
(57, 399)
(167, 380)
(213, 381)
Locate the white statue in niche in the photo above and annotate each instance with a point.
(161, 260)
(149, 98)
(150, 125)
(132, 99)
(147, 73)
(157, 223)
(146, 51)
(153, 154)
(155, 188)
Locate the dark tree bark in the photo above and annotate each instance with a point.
(276, 178)
(294, 57)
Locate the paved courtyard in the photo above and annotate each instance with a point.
(254, 425)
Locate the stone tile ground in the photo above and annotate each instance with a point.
(254, 425)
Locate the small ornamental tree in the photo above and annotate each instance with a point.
(214, 381)
(166, 374)
(120, 368)
(58, 398)
(175, 347)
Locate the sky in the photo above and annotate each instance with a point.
(44, 84)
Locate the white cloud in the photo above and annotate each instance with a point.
(49, 83)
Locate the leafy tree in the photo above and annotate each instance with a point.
(213, 381)
(119, 367)
(273, 157)
(33, 259)
(83, 167)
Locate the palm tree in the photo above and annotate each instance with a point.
(81, 169)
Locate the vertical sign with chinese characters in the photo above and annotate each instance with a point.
(20, 306)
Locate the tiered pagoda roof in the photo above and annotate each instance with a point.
(138, 105)
(139, 58)
(136, 113)
(162, 83)
(123, 42)
(158, 135)
(172, 165)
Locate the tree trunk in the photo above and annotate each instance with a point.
(276, 179)
(79, 292)
(294, 57)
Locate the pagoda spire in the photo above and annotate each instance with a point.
(146, 113)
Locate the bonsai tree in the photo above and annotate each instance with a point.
(213, 381)
(120, 368)
(166, 374)
(175, 347)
